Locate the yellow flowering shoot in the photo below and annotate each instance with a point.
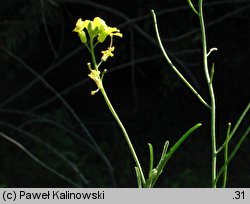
(91, 33)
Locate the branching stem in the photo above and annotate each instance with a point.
(173, 66)
(211, 93)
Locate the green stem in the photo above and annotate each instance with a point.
(92, 51)
(231, 156)
(124, 133)
(226, 155)
(172, 65)
(112, 110)
(236, 126)
(192, 7)
(211, 92)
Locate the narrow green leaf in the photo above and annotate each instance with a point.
(138, 176)
(165, 149)
(151, 159)
(181, 140)
(163, 161)
(149, 182)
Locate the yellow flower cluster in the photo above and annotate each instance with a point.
(97, 27)
(91, 33)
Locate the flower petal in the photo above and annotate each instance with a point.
(107, 53)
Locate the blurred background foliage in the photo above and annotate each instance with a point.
(45, 102)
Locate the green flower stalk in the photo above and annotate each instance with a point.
(91, 33)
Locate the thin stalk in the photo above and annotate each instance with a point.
(231, 156)
(226, 155)
(173, 66)
(92, 51)
(239, 120)
(211, 92)
(236, 126)
(124, 133)
(192, 7)
(112, 110)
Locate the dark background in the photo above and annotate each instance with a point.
(45, 101)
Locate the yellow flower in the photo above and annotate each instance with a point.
(95, 75)
(107, 53)
(99, 24)
(97, 27)
(108, 31)
(80, 25)
(114, 31)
